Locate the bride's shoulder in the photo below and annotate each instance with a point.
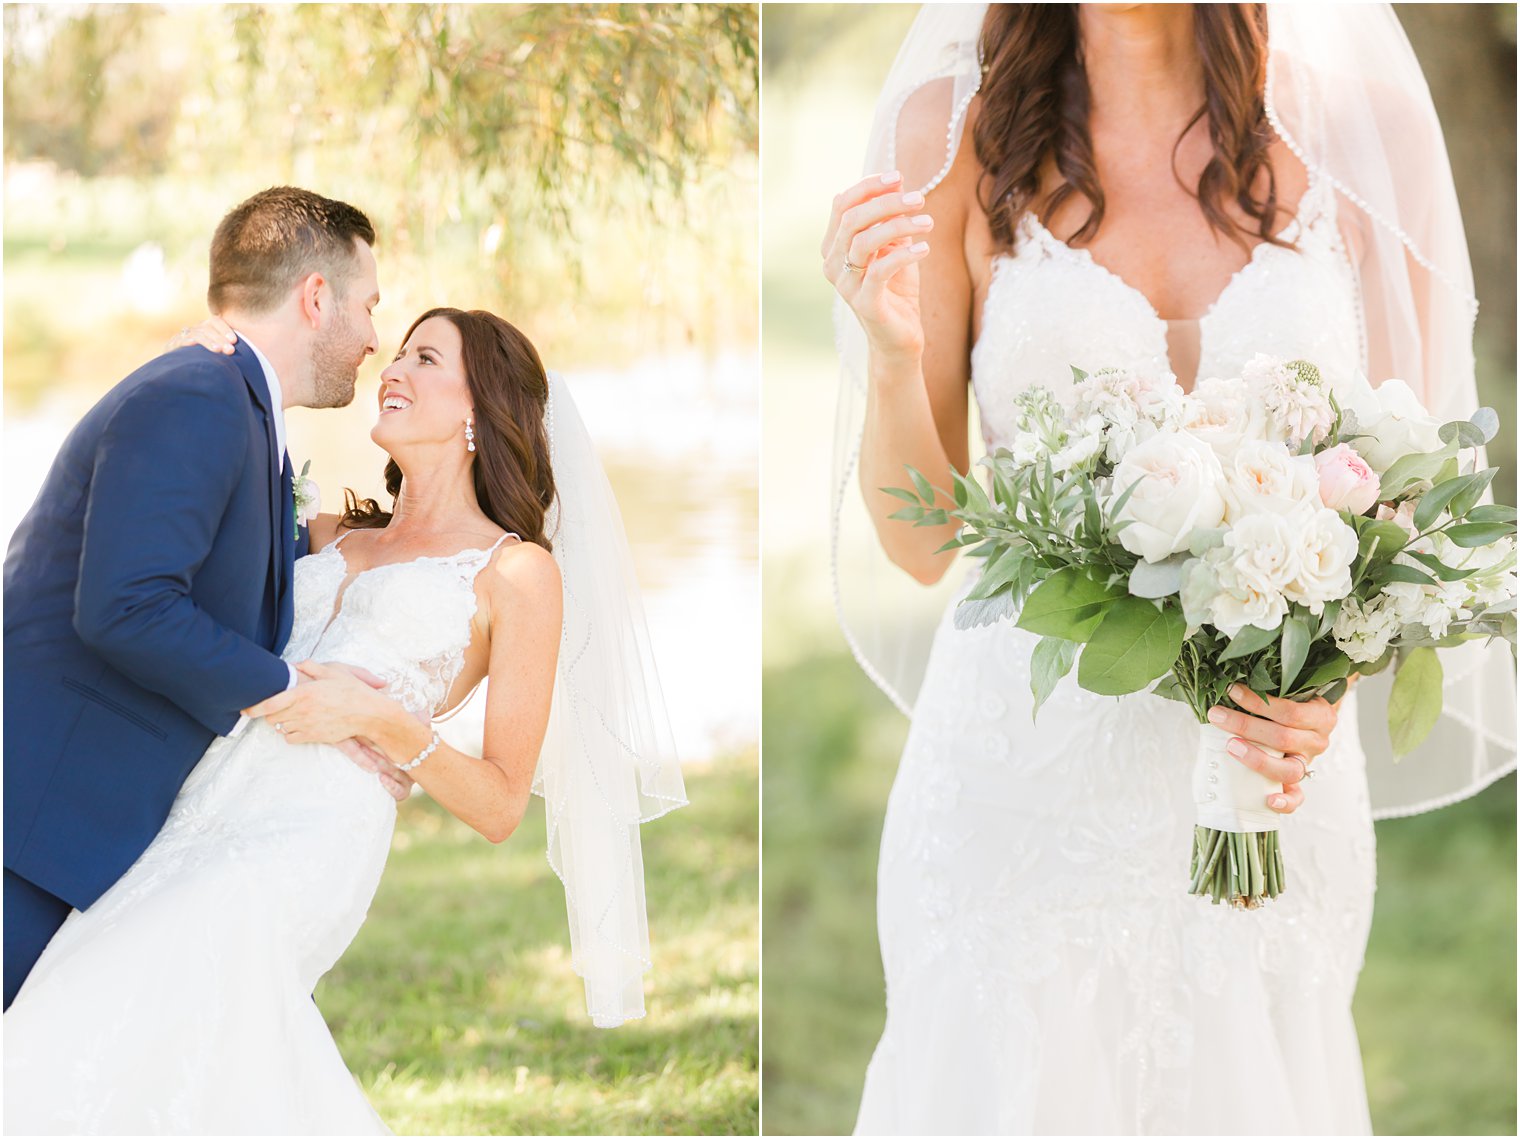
(525, 570)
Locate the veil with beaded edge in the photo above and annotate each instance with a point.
(1346, 95)
(608, 761)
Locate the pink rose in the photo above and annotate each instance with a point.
(1346, 482)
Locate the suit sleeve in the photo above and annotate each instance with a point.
(165, 469)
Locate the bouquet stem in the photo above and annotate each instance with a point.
(1236, 854)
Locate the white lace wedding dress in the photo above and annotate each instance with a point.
(1047, 973)
(180, 1002)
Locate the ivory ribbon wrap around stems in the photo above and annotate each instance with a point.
(1229, 795)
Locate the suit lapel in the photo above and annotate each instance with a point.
(281, 506)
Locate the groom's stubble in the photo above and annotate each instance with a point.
(335, 359)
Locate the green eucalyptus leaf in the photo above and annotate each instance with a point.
(1052, 659)
(1486, 420)
(1462, 433)
(1414, 705)
(1249, 640)
(1470, 535)
(1295, 648)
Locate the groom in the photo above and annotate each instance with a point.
(148, 589)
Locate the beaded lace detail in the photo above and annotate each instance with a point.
(407, 622)
(1050, 306)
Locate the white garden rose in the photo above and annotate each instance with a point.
(1178, 493)
(1392, 423)
(1261, 475)
(1225, 413)
(1326, 549)
(1363, 632)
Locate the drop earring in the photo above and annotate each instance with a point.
(469, 434)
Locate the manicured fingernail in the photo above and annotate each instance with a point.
(922, 219)
(1278, 801)
(1216, 715)
(919, 247)
(891, 176)
(1236, 748)
(913, 198)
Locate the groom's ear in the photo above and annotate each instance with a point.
(316, 296)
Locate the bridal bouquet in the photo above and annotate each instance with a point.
(1254, 531)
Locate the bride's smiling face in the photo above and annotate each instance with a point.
(424, 396)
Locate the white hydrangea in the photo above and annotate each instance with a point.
(1363, 632)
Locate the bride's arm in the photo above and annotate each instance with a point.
(916, 311)
(490, 793)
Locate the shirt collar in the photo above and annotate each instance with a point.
(276, 395)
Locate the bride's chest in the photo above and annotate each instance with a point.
(412, 611)
(1046, 307)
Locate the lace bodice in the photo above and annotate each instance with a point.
(1050, 306)
(407, 622)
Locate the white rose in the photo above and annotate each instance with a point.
(1392, 423)
(1363, 633)
(1262, 476)
(1224, 414)
(1236, 608)
(1179, 493)
(1326, 549)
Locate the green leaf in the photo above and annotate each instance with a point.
(907, 514)
(999, 572)
(970, 614)
(899, 492)
(1397, 571)
(1411, 469)
(1486, 420)
(1382, 539)
(1068, 604)
(1249, 640)
(1435, 500)
(1134, 644)
(925, 491)
(1295, 648)
(1335, 668)
(1440, 568)
(1157, 579)
(1491, 513)
(1470, 535)
(1477, 483)
(1462, 433)
(1051, 660)
(1415, 702)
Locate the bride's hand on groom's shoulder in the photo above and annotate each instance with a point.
(213, 334)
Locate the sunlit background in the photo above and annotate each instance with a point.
(1436, 1003)
(590, 172)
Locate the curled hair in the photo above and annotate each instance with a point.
(1035, 102)
(268, 243)
(509, 389)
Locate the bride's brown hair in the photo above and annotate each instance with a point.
(1035, 101)
(510, 389)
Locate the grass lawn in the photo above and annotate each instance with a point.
(457, 1009)
(1435, 1008)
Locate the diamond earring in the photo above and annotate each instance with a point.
(469, 434)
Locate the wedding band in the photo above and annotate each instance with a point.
(851, 267)
(1304, 763)
(280, 728)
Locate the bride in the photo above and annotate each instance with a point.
(180, 1002)
(1172, 188)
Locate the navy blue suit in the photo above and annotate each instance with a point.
(147, 595)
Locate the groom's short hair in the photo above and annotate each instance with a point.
(274, 239)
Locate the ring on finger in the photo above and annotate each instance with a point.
(280, 728)
(1304, 763)
(851, 267)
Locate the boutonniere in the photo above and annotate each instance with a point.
(307, 498)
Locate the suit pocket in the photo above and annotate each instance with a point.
(114, 706)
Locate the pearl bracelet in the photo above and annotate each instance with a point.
(427, 751)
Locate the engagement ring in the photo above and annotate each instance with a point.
(851, 267)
